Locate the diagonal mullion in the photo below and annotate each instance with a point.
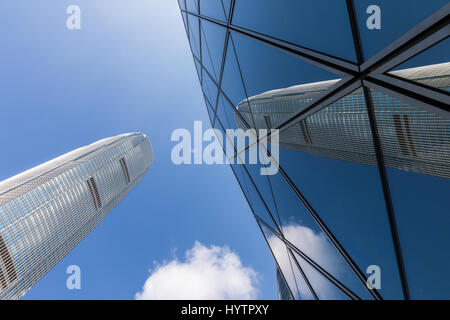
(313, 264)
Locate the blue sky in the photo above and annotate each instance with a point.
(128, 69)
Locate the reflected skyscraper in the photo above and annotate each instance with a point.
(46, 211)
(341, 131)
(363, 120)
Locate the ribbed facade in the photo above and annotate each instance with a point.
(46, 211)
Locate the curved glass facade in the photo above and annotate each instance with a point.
(359, 207)
(46, 211)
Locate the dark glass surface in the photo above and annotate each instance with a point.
(397, 18)
(259, 207)
(299, 227)
(213, 41)
(336, 161)
(233, 86)
(419, 191)
(431, 67)
(300, 22)
(269, 76)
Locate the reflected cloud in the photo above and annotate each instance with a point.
(317, 247)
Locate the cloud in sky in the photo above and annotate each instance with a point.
(317, 247)
(206, 273)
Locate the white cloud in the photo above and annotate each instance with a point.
(206, 273)
(318, 248)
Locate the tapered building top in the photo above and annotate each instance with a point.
(46, 211)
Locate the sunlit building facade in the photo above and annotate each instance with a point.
(46, 211)
(363, 118)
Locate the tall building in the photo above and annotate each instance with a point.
(359, 94)
(283, 289)
(46, 211)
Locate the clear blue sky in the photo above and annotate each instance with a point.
(128, 69)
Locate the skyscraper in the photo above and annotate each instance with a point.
(46, 211)
(359, 94)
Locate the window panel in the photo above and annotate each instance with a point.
(299, 227)
(294, 280)
(214, 9)
(184, 15)
(392, 24)
(182, 4)
(431, 67)
(300, 22)
(209, 88)
(419, 181)
(194, 38)
(213, 40)
(199, 70)
(210, 111)
(233, 86)
(192, 5)
(332, 155)
(278, 84)
(258, 206)
(231, 121)
(324, 288)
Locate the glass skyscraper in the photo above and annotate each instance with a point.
(46, 211)
(359, 94)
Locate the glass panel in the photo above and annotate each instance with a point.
(185, 23)
(192, 5)
(324, 289)
(278, 84)
(193, 35)
(233, 86)
(228, 117)
(300, 22)
(392, 25)
(258, 206)
(210, 111)
(330, 157)
(294, 279)
(212, 47)
(230, 120)
(213, 9)
(199, 70)
(431, 67)
(416, 144)
(209, 88)
(300, 229)
(181, 3)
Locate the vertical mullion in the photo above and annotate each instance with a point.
(379, 155)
